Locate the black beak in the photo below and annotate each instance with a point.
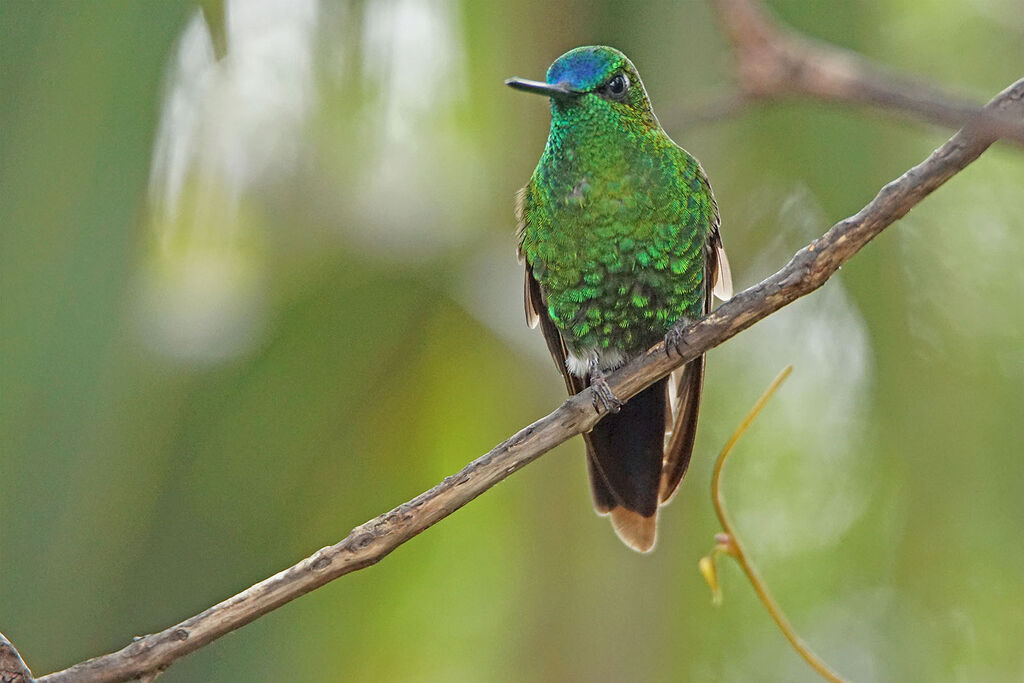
(559, 91)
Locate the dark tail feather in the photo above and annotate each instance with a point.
(604, 501)
(627, 452)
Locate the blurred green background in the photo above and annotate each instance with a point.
(249, 304)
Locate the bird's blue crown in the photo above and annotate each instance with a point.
(585, 68)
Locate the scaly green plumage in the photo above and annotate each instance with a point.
(619, 231)
(616, 218)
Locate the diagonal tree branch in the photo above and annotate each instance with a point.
(773, 61)
(369, 543)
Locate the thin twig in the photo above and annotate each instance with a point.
(729, 543)
(369, 543)
(774, 61)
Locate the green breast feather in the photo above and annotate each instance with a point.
(617, 242)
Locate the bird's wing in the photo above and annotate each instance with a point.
(534, 315)
(718, 270)
(718, 263)
(682, 417)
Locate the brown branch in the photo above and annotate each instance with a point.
(12, 666)
(774, 61)
(369, 543)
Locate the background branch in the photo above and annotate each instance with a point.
(369, 543)
(773, 61)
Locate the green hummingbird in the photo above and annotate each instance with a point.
(619, 231)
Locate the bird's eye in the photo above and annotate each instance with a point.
(617, 87)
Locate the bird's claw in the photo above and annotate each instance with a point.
(674, 338)
(603, 396)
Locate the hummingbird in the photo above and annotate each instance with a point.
(619, 233)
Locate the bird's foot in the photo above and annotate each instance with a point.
(674, 338)
(603, 396)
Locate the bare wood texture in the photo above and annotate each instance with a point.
(369, 543)
(774, 61)
(12, 666)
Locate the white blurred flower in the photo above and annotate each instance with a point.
(227, 127)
